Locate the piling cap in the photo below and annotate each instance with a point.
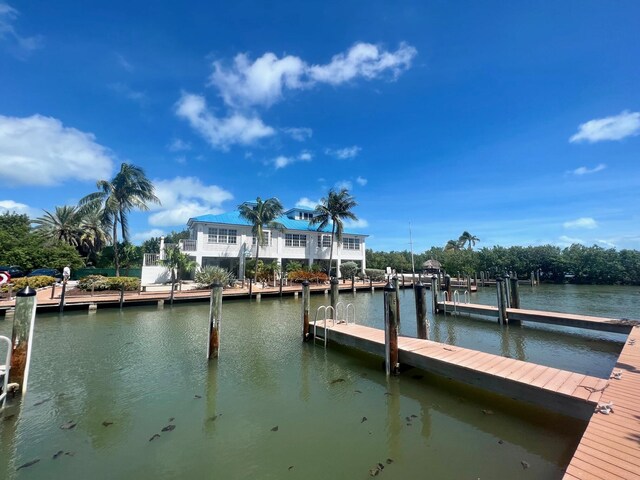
(334, 280)
(26, 292)
(389, 288)
(305, 283)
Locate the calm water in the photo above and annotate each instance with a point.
(141, 367)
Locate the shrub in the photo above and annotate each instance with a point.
(98, 282)
(207, 276)
(375, 274)
(348, 269)
(33, 282)
(299, 276)
(294, 266)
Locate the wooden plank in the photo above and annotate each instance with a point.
(575, 472)
(569, 386)
(587, 467)
(604, 462)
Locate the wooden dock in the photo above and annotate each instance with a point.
(566, 392)
(615, 325)
(610, 446)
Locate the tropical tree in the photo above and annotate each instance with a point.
(467, 239)
(334, 209)
(61, 225)
(261, 215)
(94, 230)
(129, 189)
(452, 245)
(177, 262)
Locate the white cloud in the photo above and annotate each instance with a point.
(18, 44)
(356, 224)
(16, 207)
(40, 150)
(129, 93)
(300, 134)
(606, 243)
(248, 83)
(616, 127)
(344, 153)
(178, 145)
(568, 241)
(283, 161)
(582, 222)
(305, 202)
(142, 236)
(346, 184)
(586, 171)
(183, 198)
(220, 132)
(361, 181)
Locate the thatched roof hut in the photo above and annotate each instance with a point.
(431, 266)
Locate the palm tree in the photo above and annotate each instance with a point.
(467, 239)
(62, 225)
(334, 208)
(452, 245)
(261, 215)
(94, 230)
(178, 263)
(129, 189)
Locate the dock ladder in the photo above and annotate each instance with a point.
(4, 371)
(326, 313)
(456, 300)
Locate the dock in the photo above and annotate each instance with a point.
(614, 325)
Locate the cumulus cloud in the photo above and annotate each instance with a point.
(606, 243)
(18, 44)
(299, 134)
(16, 207)
(344, 153)
(183, 198)
(361, 181)
(586, 171)
(282, 161)
(220, 132)
(615, 127)
(40, 150)
(247, 83)
(566, 241)
(305, 202)
(582, 222)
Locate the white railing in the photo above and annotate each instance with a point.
(188, 245)
(151, 260)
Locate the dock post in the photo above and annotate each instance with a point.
(280, 284)
(506, 287)
(469, 284)
(53, 291)
(502, 300)
(515, 293)
(532, 279)
(122, 296)
(447, 288)
(538, 277)
(306, 293)
(391, 330)
(64, 290)
(371, 284)
(482, 278)
(402, 280)
(421, 310)
(22, 336)
(353, 283)
(334, 294)
(434, 295)
(215, 316)
(251, 287)
(396, 286)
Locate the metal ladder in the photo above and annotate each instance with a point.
(341, 314)
(4, 372)
(456, 300)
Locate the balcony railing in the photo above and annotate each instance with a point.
(188, 245)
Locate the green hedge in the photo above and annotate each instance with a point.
(98, 282)
(375, 274)
(33, 282)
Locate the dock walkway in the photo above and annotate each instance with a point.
(569, 393)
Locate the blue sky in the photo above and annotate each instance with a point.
(518, 124)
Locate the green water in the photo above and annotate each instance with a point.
(141, 367)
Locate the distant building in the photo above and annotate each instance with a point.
(226, 240)
(431, 267)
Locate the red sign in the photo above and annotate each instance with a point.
(4, 277)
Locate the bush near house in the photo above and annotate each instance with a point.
(299, 276)
(375, 274)
(98, 282)
(33, 282)
(349, 269)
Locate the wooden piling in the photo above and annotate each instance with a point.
(353, 283)
(334, 294)
(515, 293)
(371, 284)
(64, 290)
(532, 279)
(392, 367)
(447, 288)
(22, 336)
(215, 317)
(251, 286)
(396, 286)
(280, 285)
(122, 297)
(502, 304)
(434, 295)
(482, 278)
(421, 310)
(306, 294)
(506, 286)
(469, 284)
(53, 291)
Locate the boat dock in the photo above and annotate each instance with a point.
(610, 445)
(615, 325)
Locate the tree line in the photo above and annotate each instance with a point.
(575, 264)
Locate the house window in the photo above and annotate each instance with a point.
(295, 240)
(350, 243)
(222, 235)
(324, 241)
(306, 216)
(266, 241)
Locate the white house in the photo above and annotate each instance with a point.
(226, 240)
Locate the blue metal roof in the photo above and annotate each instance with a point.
(234, 218)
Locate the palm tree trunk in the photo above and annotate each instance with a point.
(255, 271)
(116, 259)
(333, 230)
